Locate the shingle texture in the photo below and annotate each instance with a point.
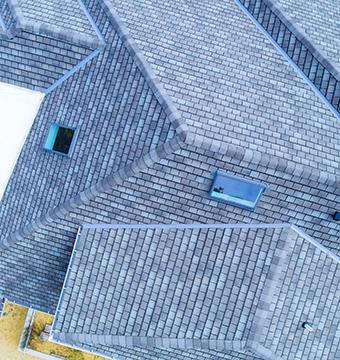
(173, 190)
(6, 15)
(196, 287)
(229, 83)
(173, 283)
(66, 14)
(64, 20)
(138, 353)
(176, 190)
(321, 22)
(34, 61)
(314, 274)
(235, 93)
(118, 117)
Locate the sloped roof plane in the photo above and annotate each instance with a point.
(140, 126)
(320, 20)
(198, 287)
(229, 83)
(64, 20)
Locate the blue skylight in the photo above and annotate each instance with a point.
(236, 191)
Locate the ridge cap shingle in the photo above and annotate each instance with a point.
(149, 159)
(247, 155)
(43, 28)
(217, 146)
(160, 93)
(255, 343)
(93, 191)
(303, 36)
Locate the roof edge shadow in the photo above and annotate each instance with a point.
(245, 156)
(84, 197)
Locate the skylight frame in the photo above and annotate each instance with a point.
(214, 194)
(73, 141)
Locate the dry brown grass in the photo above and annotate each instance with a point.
(50, 348)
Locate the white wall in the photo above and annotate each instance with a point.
(18, 109)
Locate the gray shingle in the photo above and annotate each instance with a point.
(229, 83)
(64, 20)
(311, 17)
(244, 298)
(129, 130)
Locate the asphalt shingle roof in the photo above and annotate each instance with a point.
(228, 81)
(320, 20)
(133, 161)
(35, 62)
(210, 287)
(118, 117)
(64, 20)
(65, 14)
(7, 18)
(173, 190)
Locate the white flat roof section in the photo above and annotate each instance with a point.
(18, 109)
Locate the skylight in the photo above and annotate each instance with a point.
(236, 191)
(18, 109)
(61, 139)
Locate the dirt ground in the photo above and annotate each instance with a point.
(49, 348)
(11, 327)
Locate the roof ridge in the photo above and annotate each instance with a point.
(282, 250)
(146, 70)
(190, 138)
(7, 27)
(330, 77)
(285, 241)
(57, 32)
(303, 37)
(261, 351)
(247, 155)
(84, 197)
(154, 155)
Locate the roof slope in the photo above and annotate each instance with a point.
(64, 20)
(229, 83)
(36, 54)
(7, 20)
(315, 296)
(125, 124)
(173, 190)
(119, 118)
(35, 62)
(202, 287)
(320, 20)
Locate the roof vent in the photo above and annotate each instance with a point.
(308, 326)
(336, 216)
